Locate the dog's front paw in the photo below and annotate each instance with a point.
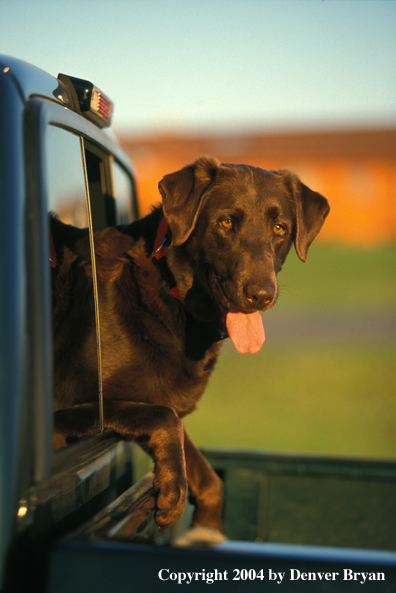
(171, 499)
(199, 537)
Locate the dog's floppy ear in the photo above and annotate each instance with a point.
(311, 209)
(183, 196)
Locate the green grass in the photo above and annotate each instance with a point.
(337, 280)
(313, 393)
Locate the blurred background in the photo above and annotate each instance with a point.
(304, 84)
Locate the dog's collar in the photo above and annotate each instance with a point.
(160, 250)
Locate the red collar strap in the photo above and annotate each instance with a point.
(160, 248)
(159, 252)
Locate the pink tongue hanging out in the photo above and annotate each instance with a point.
(246, 330)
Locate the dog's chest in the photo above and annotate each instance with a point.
(143, 351)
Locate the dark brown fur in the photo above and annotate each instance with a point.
(158, 354)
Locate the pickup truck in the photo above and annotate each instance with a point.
(80, 519)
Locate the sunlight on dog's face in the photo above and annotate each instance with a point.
(232, 227)
(242, 237)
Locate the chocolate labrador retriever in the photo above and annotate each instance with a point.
(171, 286)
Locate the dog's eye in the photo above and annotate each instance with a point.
(226, 224)
(279, 230)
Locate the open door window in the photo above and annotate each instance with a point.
(90, 190)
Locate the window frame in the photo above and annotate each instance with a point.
(40, 114)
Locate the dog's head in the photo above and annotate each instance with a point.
(234, 225)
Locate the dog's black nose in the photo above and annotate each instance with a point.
(260, 296)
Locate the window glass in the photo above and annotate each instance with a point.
(65, 177)
(67, 200)
(102, 201)
(122, 194)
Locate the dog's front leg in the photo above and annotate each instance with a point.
(157, 429)
(206, 488)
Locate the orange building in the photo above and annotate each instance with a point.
(355, 170)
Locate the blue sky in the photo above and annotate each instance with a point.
(173, 65)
